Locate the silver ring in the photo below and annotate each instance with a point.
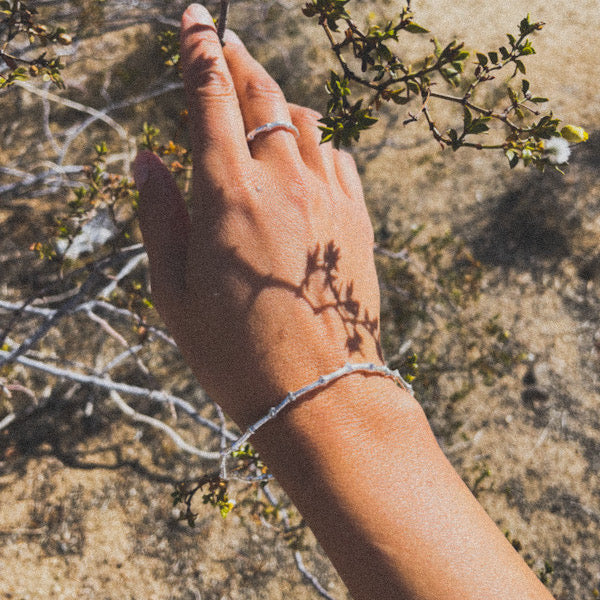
(271, 126)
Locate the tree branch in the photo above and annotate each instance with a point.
(158, 424)
(133, 390)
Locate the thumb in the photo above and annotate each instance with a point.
(164, 223)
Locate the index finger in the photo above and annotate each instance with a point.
(217, 126)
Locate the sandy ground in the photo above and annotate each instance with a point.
(85, 501)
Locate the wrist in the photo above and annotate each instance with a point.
(320, 385)
(356, 405)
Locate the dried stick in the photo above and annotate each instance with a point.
(158, 424)
(223, 14)
(107, 327)
(45, 94)
(7, 357)
(46, 121)
(130, 266)
(310, 577)
(130, 351)
(297, 556)
(77, 130)
(7, 420)
(133, 390)
(29, 179)
(123, 313)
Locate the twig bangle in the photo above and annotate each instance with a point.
(319, 383)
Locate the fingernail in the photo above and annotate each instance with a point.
(141, 170)
(200, 14)
(231, 37)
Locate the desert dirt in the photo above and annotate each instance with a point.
(85, 506)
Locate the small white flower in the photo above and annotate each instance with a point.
(557, 150)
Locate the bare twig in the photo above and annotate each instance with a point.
(128, 140)
(224, 11)
(310, 577)
(402, 255)
(45, 94)
(77, 130)
(133, 390)
(129, 266)
(112, 332)
(46, 121)
(122, 313)
(130, 351)
(68, 306)
(29, 179)
(7, 420)
(158, 424)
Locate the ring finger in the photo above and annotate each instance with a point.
(261, 101)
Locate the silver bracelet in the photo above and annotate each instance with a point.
(321, 382)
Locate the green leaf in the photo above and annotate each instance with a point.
(525, 86)
(539, 100)
(479, 125)
(225, 508)
(398, 97)
(574, 134)
(513, 158)
(504, 53)
(384, 53)
(379, 76)
(526, 27)
(326, 135)
(101, 149)
(493, 57)
(467, 119)
(527, 49)
(482, 58)
(366, 120)
(454, 139)
(414, 28)
(413, 86)
(520, 66)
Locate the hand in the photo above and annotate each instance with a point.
(266, 280)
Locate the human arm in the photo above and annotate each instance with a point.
(267, 281)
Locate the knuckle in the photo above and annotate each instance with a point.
(264, 87)
(205, 74)
(213, 83)
(303, 114)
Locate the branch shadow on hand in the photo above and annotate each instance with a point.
(322, 288)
